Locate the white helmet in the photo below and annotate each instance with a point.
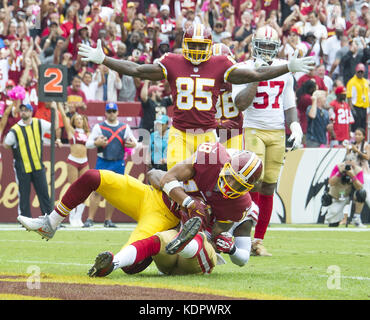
(265, 43)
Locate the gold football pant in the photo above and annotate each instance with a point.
(203, 262)
(269, 145)
(139, 201)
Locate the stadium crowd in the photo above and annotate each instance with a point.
(335, 32)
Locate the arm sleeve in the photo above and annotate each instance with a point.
(10, 139)
(242, 252)
(289, 95)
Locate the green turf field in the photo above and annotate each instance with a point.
(308, 262)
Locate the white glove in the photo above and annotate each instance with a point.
(300, 64)
(95, 55)
(296, 135)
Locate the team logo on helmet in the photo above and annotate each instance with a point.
(197, 43)
(239, 175)
(265, 43)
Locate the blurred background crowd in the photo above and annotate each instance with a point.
(34, 32)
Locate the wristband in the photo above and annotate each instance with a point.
(187, 201)
(171, 185)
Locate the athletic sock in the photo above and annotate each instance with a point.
(126, 257)
(265, 204)
(137, 251)
(255, 197)
(55, 219)
(192, 248)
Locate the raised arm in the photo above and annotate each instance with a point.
(96, 55)
(241, 75)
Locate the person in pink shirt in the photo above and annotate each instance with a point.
(345, 184)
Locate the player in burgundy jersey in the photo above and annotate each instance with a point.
(195, 78)
(229, 117)
(221, 179)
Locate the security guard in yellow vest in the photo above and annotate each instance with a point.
(25, 139)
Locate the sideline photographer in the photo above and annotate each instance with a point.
(345, 184)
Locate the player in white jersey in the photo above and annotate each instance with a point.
(268, 106)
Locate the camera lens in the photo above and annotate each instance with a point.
(348, 167)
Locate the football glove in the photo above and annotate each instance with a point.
(95, 55)
(296, 135)
(225, 243)
(197, 207)
(296, 64)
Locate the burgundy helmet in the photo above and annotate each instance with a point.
(221, 49)
(197, 43)
(239, 175)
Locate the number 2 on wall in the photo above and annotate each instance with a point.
(55, 84)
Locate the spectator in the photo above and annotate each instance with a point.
(89, 85)
(217, 31)
(321, 73)
(152, 13)
(95, 21)
(30, 168)
(245, 30)
(318, 121)
(153, 104)
(341, 116)
(314, 25)
(111, 83)
(76, 99)
(345, 177)
(336, 70)
(312, 75)
(110, 137)
(159, 142)
(349, 61)
(358, 97)
(167, 24)
(44, 112)
(362, 20)
(330, 48)
(304, 99)
(331, 95)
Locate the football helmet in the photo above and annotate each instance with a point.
(239, 175)
(265, 43)
(197, 43)
(221, 49)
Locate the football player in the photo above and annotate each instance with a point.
(229, 117)
(223, 181)
(195, 79)
(269, 106)
(198, 256)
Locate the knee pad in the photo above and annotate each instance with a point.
(360, 195)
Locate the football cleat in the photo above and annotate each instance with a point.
(41, 225)
(103, 265)
(188, 231)
(259, 250)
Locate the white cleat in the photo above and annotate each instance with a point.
(41, 225)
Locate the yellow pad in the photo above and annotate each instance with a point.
(269, 145)
(139, 201)
(182, 145)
